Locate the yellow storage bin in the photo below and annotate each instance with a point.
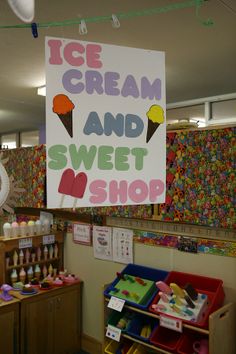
(111, 347)
(136, 349)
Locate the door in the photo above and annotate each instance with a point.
(67, 322)
(9, 317)
(38, 327)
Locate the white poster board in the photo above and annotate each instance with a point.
(105, 124)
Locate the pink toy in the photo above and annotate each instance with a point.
(125, 292)
(163, 297)
(164, 287)
(201, 346)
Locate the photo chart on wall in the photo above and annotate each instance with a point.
(105, 124)
(102, 242)
(113, 244)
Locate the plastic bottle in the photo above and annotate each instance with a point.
(14, 276)
(30, 273)
(15, 258)
(37, 272)
(22, 275)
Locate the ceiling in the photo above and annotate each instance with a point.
(200, 60)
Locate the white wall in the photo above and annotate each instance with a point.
(95, 273)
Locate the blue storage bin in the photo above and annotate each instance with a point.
(144, 273)
(115, 317)
(138, 323)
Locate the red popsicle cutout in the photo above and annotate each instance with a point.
(79, 186)
(65, 186)
(67, 179)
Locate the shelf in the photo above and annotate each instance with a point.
(8, 239)
(9, 245)
(42, 261)
(150, 314)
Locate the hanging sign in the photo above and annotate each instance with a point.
(105, 124)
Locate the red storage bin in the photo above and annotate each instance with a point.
(166, 338)
(212, 287)
(187, 341)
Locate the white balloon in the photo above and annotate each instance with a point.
(24, 9)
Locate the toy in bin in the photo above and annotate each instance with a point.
(120, 319)
(132, 288)
(114, 347)
(141, 327)
(184, 303)
(136, 285)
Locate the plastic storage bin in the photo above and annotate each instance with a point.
(166, 338)
(140, 322)
(141, 272)
(186, 345)
(137, 349)
(113, 347)
(124, 318)
(212, 287)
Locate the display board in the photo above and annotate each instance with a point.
(106, 104)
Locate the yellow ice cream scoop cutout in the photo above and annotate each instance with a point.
(156, 114)
(156, 117)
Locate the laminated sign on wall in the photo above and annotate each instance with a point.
(105, 124)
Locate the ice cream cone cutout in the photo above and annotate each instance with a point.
(63, 107)
(155, 118)
(72, 185)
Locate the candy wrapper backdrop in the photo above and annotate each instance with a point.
(200, 179)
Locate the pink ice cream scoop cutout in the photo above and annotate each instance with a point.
(79, 186)
(66, 182)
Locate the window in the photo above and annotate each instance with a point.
(224, 111)
(8, 141)
(194, 113)
(29, 138)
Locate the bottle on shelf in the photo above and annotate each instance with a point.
(45, 271)
(30, 273)
(15, 258)
(55, 250)
(31, 227)
(45, 252)
(37, 272)
(22, 275)
(27, 255)
(39, 254)
(50, 270)
(15, 229)
(14, 276)
(38, 226)
(21, 257)
(33, 254)
(51, 252)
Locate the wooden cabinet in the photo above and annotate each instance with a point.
(221, 331)
(51, 321)
(9, 245)
(9, 327)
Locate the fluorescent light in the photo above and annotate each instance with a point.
(41, 91)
